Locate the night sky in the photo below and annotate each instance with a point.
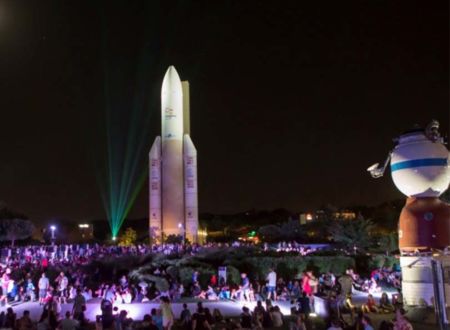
(290, 101)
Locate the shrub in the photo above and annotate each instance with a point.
(291, 266)
(128, 238)
(185, 274)
(233, 275)
(160, 283)
(378, 261)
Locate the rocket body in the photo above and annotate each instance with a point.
(168, 214)
(172, 152)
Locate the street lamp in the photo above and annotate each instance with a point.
(180, 225)
(53, 228)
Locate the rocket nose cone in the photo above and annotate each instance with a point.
(171, 82)
(171, 75)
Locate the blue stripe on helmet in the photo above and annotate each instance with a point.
(419, 163)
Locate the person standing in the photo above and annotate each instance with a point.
(43, 285)
(62, 282)
(305, 284)
(5, 280)
(346, 282)
(167, 313)
(245, 287)
(271, 284)
(186, 318)
(78, 303)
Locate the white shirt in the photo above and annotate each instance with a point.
(272, 279)
(43, 283)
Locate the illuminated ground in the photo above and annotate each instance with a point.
(138, 310)
(228, 309)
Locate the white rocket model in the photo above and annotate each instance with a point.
(173, 167)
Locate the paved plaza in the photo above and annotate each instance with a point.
(138, 310)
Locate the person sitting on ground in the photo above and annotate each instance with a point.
(211, 294)
(126, 296)
(370, 306)
(157, 318)
(199, 321)
(217, 315)
(367, 323)
(397, 298)
(259, 309)
(284, 295)
(225, 292)
(277, 317)
(246, 318)
(231, 324)
(147, 323)
(107, 313)
(209, 316)
(296, 290)
(68, 323)
(385, 304)
(298, 323)
(197, 291)
(25, 323)
(401, 323)
(350, 306)
(335, 325)
(44, 322)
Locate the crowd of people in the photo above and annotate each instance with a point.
(24, 277)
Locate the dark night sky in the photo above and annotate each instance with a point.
(290, 101)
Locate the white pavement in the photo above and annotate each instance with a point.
(137, 310)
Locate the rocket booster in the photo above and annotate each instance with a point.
(190, 189)
(155, 188)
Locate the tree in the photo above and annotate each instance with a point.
(446, 196)
(173, 239)
(389, 243)
(14, 229)
(270, 233)
(354, 235)
(291, 230)
(128, 238)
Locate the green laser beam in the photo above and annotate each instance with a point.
(122, 172)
